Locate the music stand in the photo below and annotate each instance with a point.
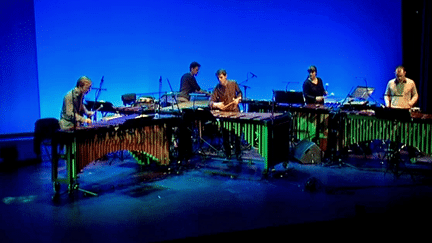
(358, 98)
(394, 114)
(288, 97)
(360, 95)
(362, 92)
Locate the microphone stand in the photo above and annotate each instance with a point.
(98, 91)
(346, 97)
(247, 79)
(288, 83)
(246, 87)
(244, 104)
(160, 94)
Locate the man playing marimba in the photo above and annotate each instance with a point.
(225, 97)
(73, 109)
(401, 92)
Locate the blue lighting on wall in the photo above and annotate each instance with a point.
(133, 43)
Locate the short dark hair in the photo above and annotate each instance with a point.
(221, 71)
(194, 65)
(312, 69)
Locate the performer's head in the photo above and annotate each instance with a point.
(312, 70)
(400, 73)
(194, 68)
(221, 75)
(84, 84)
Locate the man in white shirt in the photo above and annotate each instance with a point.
(401, 92)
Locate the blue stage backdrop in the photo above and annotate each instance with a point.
(133, 43)
(19, 97)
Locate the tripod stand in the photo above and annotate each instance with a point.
(333, 153)
(205, 132)
(393, 149)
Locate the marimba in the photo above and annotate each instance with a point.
(141, 134)
(362, 127)
(269, 132)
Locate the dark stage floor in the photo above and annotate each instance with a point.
(212, 199)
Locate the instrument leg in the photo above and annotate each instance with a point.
(75, 187)
(87, 192)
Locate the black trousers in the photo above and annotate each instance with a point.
(230, 138)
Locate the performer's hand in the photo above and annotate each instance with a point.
(218, 105)
(319, 98)
(90, 113)
(237, 100)
(88, 121)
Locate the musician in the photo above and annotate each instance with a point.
(226, 95)
(188, 83)
(73, 109)
(401, 92)
(313, 88)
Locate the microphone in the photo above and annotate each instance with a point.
(253, 75)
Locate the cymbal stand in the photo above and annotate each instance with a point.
(335, 123)
(201, 142)
(198, 119)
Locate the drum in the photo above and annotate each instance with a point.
(146, 102)
(168, 99)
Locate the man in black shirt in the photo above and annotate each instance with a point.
(188, 83)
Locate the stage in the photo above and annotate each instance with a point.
(214, 199)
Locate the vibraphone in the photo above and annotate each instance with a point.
(150, 138)
(186, 105)
(333, 128)
(269, 133)
(417, 132)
